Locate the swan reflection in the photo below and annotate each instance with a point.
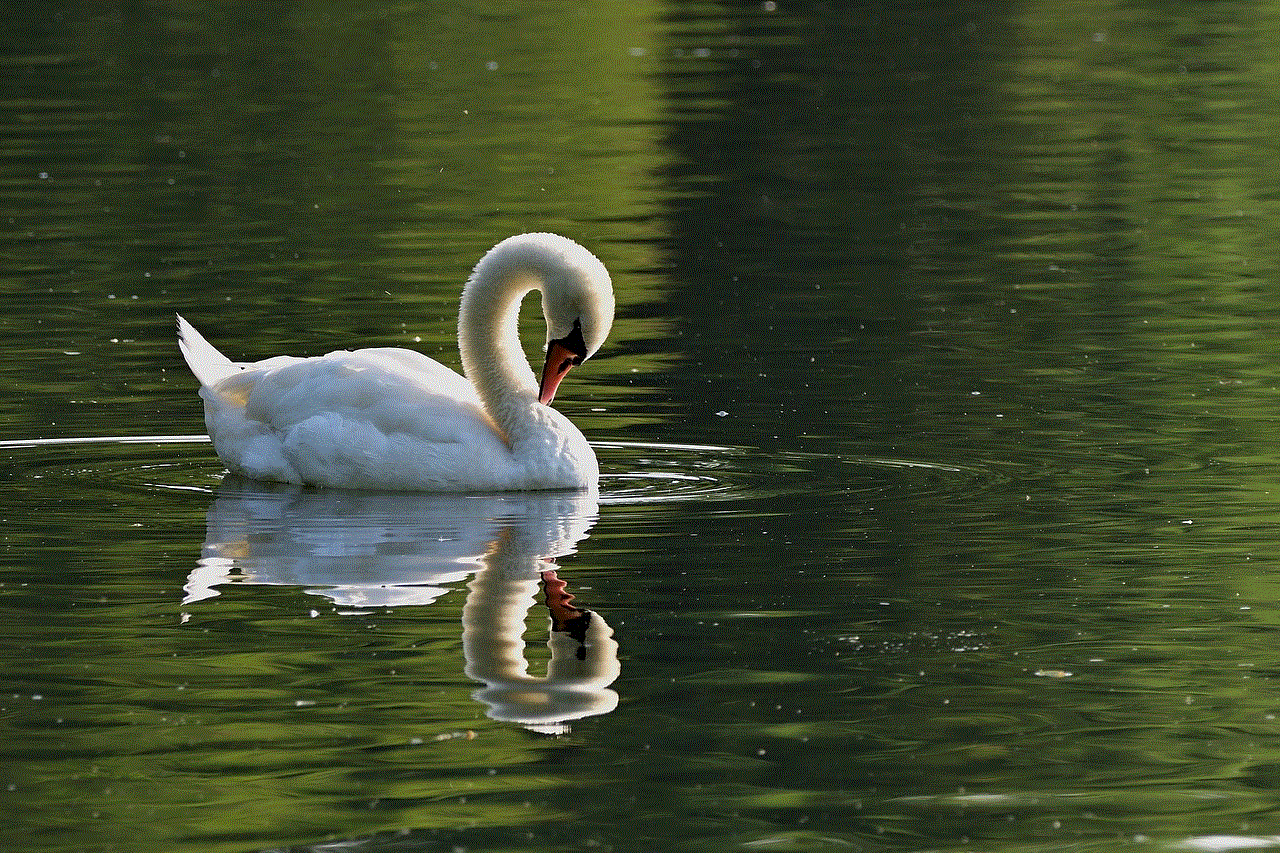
(366, 549)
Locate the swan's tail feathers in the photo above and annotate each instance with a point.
(202, 357)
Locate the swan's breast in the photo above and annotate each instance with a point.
(554, 453)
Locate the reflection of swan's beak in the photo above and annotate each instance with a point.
(558, 595)
(560, 360)
(565, 618)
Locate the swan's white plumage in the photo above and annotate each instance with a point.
(209, 365)
(395, 419)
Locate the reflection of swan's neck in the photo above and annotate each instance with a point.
(489, 340)
(578, 674)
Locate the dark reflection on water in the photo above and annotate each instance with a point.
(937, 429)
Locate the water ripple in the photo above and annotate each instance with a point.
(122, 463)
(634, 473)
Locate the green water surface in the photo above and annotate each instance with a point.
(938, 429)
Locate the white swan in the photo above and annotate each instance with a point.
(394, 419)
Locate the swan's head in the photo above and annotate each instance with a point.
(577, 302)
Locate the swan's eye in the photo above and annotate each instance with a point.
(574, 343)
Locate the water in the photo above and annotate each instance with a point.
(937, 430)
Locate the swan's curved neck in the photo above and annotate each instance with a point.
(489, 341)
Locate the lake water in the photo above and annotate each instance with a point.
(940, 505)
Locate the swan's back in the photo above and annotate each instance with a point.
(398, 390)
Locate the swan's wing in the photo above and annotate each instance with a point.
(379, 418)
(394, 391)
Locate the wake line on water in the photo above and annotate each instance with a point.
(105, 439)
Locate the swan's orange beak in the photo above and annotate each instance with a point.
(560, 360)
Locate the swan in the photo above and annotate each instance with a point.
(388, 418)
